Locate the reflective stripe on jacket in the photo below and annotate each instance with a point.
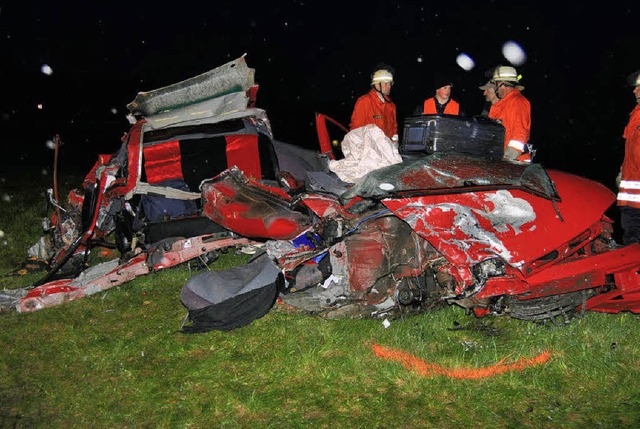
(451, 108)
(629, 194)
(514, 112)
(370, 109)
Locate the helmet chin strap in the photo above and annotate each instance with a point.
(498, 91)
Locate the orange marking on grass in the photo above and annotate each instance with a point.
(426, 369)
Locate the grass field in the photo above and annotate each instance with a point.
(117, 359)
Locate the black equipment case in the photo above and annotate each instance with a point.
(480, 136)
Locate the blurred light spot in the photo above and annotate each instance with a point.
(44, 68)
(6, 198)
(40, 106)
(114, 110)
(465, 62)
(50, 144)
(419, 59)
(514, 53)
(44, 172)
(1, 233)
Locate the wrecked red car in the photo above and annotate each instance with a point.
(491, 236)
(444, 224)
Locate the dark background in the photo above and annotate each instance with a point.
(313, 56)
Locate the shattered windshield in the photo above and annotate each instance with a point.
(452, 172)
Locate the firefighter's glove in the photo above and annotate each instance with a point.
(510, 154)
(618, 179)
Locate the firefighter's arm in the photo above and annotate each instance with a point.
(521, 126)
(394, 138)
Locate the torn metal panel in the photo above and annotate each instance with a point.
(228, 108)
(626, 294)
(113, 273)
(383, 250)
(366, 268)
(228, 78)
(251, 209)
(329, 206)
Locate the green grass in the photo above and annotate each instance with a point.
(117, 359)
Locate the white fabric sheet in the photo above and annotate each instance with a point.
(365, 149)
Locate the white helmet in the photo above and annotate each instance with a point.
(505, 74)
(381, 76)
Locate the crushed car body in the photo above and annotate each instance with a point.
(491, 236)
(444, 224)
(144, 199)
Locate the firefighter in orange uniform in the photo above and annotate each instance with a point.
(375, 107)
(441, 103)
(629, 177)
(513, 111)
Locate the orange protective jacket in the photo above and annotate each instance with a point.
(452, 107)
(629, 194)
(370, 109)
(514, 112)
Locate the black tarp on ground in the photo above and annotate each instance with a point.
(230, 299)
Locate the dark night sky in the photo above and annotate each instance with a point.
(313, 56)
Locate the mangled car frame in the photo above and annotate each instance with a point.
(200, 171)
